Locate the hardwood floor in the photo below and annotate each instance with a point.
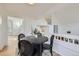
(11, 50)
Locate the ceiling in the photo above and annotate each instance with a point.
(35, 11)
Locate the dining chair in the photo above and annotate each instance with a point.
(26, 48)
(49, 46)
(21, 35)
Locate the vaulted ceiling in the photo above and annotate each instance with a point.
(38, 10)
(27, 10)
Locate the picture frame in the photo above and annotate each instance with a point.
(66, 39)
(70, 40)
(76, 41)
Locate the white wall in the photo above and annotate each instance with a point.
(0, 29)
(3, 32)
(73, 27)
(68, 18)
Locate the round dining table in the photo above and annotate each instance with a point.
(37, 42)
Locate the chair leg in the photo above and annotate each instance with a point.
(51, 51)
(42, 47)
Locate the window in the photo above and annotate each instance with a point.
(55, 28)
(15, 25)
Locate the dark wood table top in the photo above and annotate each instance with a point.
(36, 40)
